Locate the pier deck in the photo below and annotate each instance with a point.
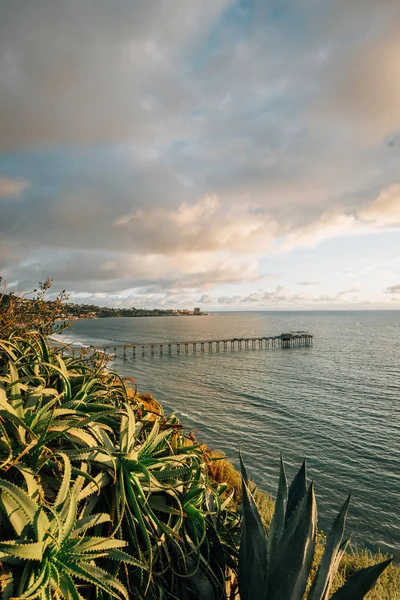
(284, 340)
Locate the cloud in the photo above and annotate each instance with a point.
(188, 153)
(280, 297)
(78, 72)
(308, 282)
(393, 289)
(385, 210)
(12, 187)
(362, 90)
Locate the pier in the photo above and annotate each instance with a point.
(284, 340)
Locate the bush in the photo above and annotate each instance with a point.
(19, 314)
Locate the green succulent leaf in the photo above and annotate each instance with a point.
(361, 582)
(24, 550)
(294, 555)
(253, 547)
(297, 491)
(278, 520)
(328, 566)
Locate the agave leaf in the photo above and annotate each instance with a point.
(20, 549)
(253, 547)
(278, 520)
(339, 555)
(328, 566)
(293, 558)
(361, 582)
(297, 491)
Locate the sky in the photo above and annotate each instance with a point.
(226, 154)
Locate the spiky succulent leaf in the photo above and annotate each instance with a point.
(29, 507)
(361, 582)
(293, 558)
(328, 566)
(21, 549)
(297, 491)
(252, 563)
(278, 520)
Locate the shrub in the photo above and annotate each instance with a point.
(19, 314)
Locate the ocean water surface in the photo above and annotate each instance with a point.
(337, 403)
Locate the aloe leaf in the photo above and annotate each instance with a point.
(90, 521)
(15, 514)
(147, 445)
(29, 507)
(253, 547)
(361, 582)
(68, 515)
(66, 480)
(68, 588)
(278, 520)
(80, 436)
(293, 558)
(101, 480)
(127, 432)
(327, 568)
(93, 544)
(25, 550)
(158, 502)
(121, 556)
(93, 574)
(38, 587)
(297, 491)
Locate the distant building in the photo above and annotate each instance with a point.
(196, 311)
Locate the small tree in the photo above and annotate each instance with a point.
(20, 314)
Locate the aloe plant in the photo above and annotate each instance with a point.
(277, 567)
(99, 499)
(52, 554)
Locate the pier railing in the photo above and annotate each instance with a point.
(284, 340)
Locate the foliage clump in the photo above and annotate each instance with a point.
(100, 498)
(18, 313)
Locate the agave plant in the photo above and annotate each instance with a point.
(278, 567)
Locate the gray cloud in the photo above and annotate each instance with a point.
(224, 137)
(393, 289)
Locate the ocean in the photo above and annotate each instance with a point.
(337, 403)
